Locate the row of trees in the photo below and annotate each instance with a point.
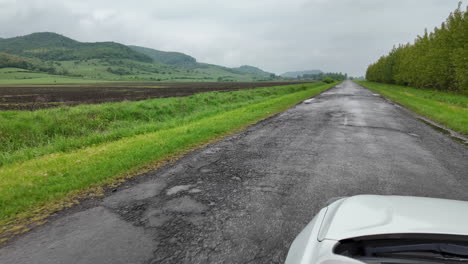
(337, 76)
(436, 60)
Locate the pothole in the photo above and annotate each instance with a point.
(138, 192)
(156, 218)
(184, 204)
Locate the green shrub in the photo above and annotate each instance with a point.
(328, 80)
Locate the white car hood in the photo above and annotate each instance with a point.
(365, 215)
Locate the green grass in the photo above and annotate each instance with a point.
(20, 76)
(110, 140)
(447, 108)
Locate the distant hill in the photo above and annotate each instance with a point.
(55, 54)
(184, 60)
(252, 70)
(295, 74)
(52, 46)
(166, 57)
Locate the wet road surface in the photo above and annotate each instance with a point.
(244, 199)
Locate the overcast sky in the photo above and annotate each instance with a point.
(275, 35)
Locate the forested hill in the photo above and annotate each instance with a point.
(252, 70)
(184, 60)
(52, 46)
(165, 57)
(436, 60)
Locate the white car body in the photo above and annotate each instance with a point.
(370, 215)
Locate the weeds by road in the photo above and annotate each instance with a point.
(447, 108)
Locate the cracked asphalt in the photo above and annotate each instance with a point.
(245, 198)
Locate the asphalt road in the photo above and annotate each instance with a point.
(244, 199)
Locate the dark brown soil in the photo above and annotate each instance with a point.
(32, 97)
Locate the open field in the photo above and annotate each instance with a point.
(449, 109)
(36, 96)
(53, 154)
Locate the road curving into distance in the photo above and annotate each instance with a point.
(244, 199)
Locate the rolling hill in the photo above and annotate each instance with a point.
(166, 57)
(55, 54)
(186, 61)
(252, 70)
(52, 46)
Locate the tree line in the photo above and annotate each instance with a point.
(337, 76)
(436, 60)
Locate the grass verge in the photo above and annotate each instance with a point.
(446, 108)
(32, 189)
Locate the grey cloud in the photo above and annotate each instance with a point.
(278, 36)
